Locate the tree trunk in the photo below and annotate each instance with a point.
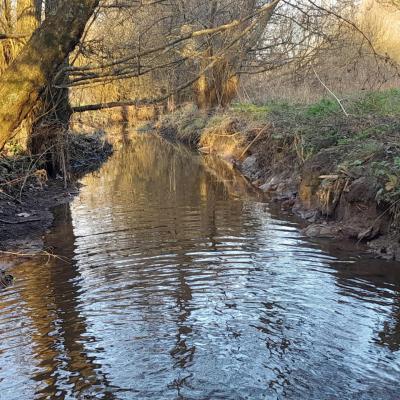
(57, 99)
(26, 23)
(25, 79)
(6, 46)
(53, 113)
(217, 86)
(49, 133)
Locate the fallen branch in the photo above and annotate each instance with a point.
(329, 177)
(5, 36)
(20, 222)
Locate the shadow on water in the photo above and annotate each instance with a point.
(184, 284)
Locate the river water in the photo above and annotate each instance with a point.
(174, 284)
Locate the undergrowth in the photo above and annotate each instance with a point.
(21, 172)
(366, 142)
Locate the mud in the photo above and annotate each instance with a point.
(25, 207)
(338, 206)
(24, 221)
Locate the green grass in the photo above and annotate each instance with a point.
(384, 103)
(322, 109)
(261, 111)
(366, 142)
(378, 103)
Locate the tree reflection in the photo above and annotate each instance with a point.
(173, 274)
(52, 298)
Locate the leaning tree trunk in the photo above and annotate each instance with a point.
(24, 80)
(53, 112)
(27, 21)
(57, 99)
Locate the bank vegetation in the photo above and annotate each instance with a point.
(279, 83)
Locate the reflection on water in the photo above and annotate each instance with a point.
(179, 289)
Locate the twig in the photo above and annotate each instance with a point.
(11, 253)
(253, 141)
(2, 192)
(32, 255)
(31, 167)
(330, 91)
(20, 222)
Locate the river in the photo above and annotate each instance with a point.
(171, 283)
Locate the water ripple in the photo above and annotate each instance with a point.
(191, 293)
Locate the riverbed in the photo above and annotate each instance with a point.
(171, 282)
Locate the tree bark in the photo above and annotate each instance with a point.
(218, 85)
(25, 25)
(6, 45)
(55, 101)
(24, 80)
(49, 131)
(27, 21)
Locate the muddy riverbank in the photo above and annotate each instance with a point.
(28, 192)
(340, 174)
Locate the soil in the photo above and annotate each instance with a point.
(24, 221)
(335, 206)
(26, 203)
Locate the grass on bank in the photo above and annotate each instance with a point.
(364, 143)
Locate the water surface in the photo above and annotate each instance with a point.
(179, 288)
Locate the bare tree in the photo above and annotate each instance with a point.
(24, 80)
(161, 50)
(211, 44)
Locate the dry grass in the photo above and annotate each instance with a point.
(20, 172)
(186, 124)
(291, 137)
(225, 135)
